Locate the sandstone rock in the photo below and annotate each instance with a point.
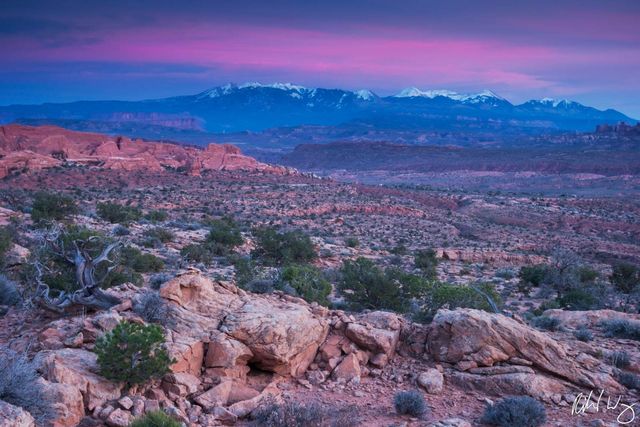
(119, 418)
(348, 369)
(244, 408)
(215, 396)
(373, 339)
(535, 385)
(451, 422)
(126, 403)
(14, 416)
(180, 384)
(224, 415)
(240, 392)
(67, 406)
(467, 337)
(283, 337)
(78, 368)
(225, 352)
(431, 381)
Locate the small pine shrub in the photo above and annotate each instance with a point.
(621, 328)
(164, 235)
(290, 247)
(52, 207)
(583, 334)
(427, 262)
(19, 385)
(120, 230)
(620, 359)
(6, 242)
(155, 419)
(157, 216)
(140, 262)
(132, 353)
(157, 280)
(410, 403)
(546, 323)
(519, 411)
(629, 380)
(307, 282)
(580, 300)
(9, 294)
(289, 414)
(118, 214)
(351, 242)
(260, 286)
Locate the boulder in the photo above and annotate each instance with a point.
(348, 369)
(68, 405)
(431, 381)
(575, 319)
(471, 338)
(373, 339)
(14, 416)
(283, 337)
(119, 418)
(215, 396)
(78, 368)
(539, 386)
(227, 357)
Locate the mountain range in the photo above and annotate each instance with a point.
(255, 107)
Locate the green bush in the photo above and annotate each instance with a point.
(225, 232)
(118, 214)
(583, 334)
(532, 275)
(157, 216)
(164, 235)
(365, 286)
(155, 419)
(519, 411)
(546, 323)
(52, 207)
(458, 296)
(140, 262)
(427, 262)
(6, 242)
(307, 281)
(351, 242)
(410, 403)
(132, 353)
(625, 277)
(245, 270)
(579, 300)
(290, 247)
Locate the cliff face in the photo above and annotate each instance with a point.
(28, 148)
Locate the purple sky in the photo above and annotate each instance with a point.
(63, 50)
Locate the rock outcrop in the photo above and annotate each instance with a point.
(29, 148)
(497, 352)
(13, 416)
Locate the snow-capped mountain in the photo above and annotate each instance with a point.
(256, 106)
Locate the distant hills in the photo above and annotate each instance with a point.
(255, 107)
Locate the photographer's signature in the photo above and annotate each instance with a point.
(595, 402)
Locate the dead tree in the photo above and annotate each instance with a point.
(89, 293)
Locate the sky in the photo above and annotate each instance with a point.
(584, 50)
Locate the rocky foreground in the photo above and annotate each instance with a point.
(236, 350)
(29, 148)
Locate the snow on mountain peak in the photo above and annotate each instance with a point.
(364, 94)
(556, 102)
(412, 92)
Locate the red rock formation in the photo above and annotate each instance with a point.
(29, 148)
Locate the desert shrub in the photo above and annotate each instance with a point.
(245, 270)
(621, 328)
(164, 235)
(620, 359)
(6, 242)
(625, 277)
(533, 275)
(427, 262)
(583, 334)
(158, 280)
(366, 286)
(19, 385)
(132, 353)
(351, 242)
(580, 299)
(122, 274)
(9, 293)
(120, 230)
(197, 253)
(157, 216)
(225, 232)
(410, 403)
(289, 414)
(519, 411)
(152, 308)
(140, 262)
(260, 286)
(52, 207)
(546, 323)
(290, 247)
(155, 419)
(629, 380)
(505, 273)
(587, 274)
(120, 214)
(458, 296)
(307, 281)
